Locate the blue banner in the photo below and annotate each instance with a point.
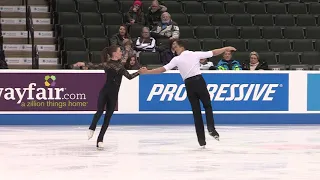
(228, 92)
(313, 92)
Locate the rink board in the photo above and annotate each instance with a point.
(59, 97)
(158, 119)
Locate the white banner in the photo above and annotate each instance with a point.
(22, 34)
(14, 60)
(14, 34)
(23, 9)
(48, 61)
(46, 47)
(28, 61)
(23, 21)
(43, 34)
(27, 47)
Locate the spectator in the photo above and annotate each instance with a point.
(3, 63)
(127, 50)
(135, 14)
(227, 64)
(145, 42)
(166, 28)
(167, 53)
(206, 65)
(255, 64)
(132, 63)
(154, 13)
(118, 38)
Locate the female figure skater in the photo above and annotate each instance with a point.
(108, 95)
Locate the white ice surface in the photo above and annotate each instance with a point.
(160, 153)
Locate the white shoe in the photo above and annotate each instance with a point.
(90, 134)
(100, 145)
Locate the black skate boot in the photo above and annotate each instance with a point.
(214, 134)
(202, 144)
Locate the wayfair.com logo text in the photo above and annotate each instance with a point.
(32, 92)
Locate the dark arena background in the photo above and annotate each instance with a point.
(265, 95)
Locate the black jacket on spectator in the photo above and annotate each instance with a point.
(166, 56)
(117, 40)
(3, 63)
(261, 66)
(153, 18)
(137, 16)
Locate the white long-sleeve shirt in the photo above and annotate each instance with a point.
(188, 63)
(146, 46)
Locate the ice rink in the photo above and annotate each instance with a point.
(160, 153)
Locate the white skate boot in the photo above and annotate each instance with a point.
(90, 134)
(100, 146)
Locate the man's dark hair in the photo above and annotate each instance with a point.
(180, 43)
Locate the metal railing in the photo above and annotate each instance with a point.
(3, 64)
(1, 37)
(30, 30)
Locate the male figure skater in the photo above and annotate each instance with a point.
(188, 63)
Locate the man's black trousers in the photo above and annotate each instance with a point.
(197, 91)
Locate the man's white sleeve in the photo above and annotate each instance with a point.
(170, 65)
(203, 55)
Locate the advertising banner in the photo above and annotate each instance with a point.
(50, 91)
(313, 92)
(228, 92)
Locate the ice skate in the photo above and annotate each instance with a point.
(90, 133)
(100, 146)
(214, 134)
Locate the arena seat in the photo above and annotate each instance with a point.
(284, 32)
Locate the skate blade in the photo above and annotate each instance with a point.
(100, 148)
(217, 138)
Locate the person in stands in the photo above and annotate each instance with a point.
(167, 52)
(167, 28)
(227, 63)
(154, 13)
(255, 63)
(122, 35)
(145, 43)
(135, 14)
(127, 51)
(132, 63)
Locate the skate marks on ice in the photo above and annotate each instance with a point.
(160, 153)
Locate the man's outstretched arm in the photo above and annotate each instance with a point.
(169, 66)
(154, 71)
(215, 52)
